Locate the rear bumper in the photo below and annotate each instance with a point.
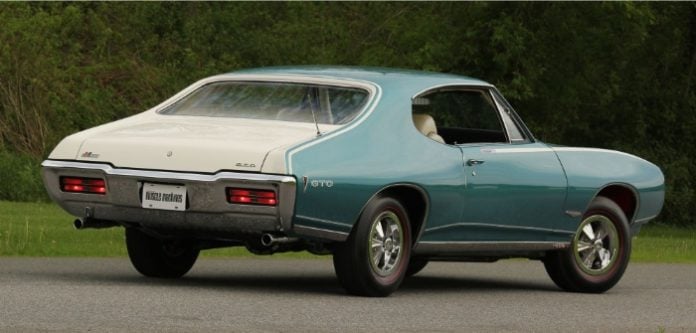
(207, 206)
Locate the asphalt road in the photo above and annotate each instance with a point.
(266, 295)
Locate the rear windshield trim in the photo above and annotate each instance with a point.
(369, 88)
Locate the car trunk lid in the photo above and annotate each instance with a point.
(198, 144)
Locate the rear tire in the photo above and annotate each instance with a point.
(156, 258)
(599, 252)
(374, 259)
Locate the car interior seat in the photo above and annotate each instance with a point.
(426, 125)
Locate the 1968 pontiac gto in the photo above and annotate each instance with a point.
(384, 169)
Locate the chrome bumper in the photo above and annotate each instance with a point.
(207, 207)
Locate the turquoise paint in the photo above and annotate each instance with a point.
(513, 196)
(590, 171)
(507, 191)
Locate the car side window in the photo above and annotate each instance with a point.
(462, 115)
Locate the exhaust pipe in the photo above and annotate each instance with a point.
(90, 223)
(270, 240)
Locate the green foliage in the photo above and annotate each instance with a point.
(21, 180)
(613, 75)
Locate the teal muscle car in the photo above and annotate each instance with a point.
(384, 169)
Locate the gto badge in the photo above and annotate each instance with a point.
(245, 165)
(322, 183)
(315, 183)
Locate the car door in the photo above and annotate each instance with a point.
(514, 188)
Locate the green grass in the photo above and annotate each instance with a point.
(43, 230)
(661, 243)
(40, 229)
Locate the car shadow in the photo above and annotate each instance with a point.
(306, 284)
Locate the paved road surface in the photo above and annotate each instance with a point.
(266, 295)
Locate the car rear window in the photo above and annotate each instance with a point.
(273, 101)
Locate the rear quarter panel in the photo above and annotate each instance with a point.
(381, 150)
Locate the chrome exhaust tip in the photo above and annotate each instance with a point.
(270, 240)
(90, 223)
(79, 224)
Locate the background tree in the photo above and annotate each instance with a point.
(611, 75)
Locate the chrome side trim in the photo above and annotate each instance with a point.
(513, 150)
(304, 217)
(500, 226)
(453, 248)
(573, 213)
(644, 220)
(109, 170)
(596, 150)
(337, 236)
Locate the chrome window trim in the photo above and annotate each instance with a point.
(501, 113)
(288, 78)
(485, 90)
(524, 130)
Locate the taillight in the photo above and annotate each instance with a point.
(251, 196)
(83, 185)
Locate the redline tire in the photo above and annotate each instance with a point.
(373, 260)
(599, 253)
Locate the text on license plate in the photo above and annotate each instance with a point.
(161, 196)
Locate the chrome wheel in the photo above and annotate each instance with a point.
(596, 245)
(386, 243)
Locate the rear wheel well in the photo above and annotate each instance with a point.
(623, 196)
(414, 201)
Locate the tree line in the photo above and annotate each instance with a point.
(616, 75)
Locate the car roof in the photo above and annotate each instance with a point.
(389, 78)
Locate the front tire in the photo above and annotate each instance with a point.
(599, 252)
(156, 258)
(374, 259)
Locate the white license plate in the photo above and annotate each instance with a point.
(167, 197)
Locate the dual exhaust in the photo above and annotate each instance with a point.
(267, 240)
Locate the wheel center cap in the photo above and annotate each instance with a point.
(388, 245)
(598, 244)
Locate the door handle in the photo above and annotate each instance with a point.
(472, 161)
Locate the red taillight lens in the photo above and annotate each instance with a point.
(252, 196)
(83, 185)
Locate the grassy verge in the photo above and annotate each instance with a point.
(38, 229)
(660, 243)
(41, 229)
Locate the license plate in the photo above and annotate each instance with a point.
(167, 197)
